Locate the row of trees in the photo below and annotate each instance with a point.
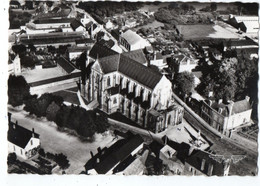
(85, 123)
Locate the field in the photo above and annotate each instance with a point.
(199, 32)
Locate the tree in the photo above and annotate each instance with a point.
(38, 106)
(18, 90)
(11, 158)
(62, 161)
(184, 83)
(213, 6)
(52, 111)
(27, 61)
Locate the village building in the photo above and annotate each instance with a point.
(132, 41)
(225, 117)
(14, 66)
(51, 23)
(75, 51)
(21, 141)
(109, 25)
(120, 84)
(157, 60)
(130, 23)
(77, 26)
(247, 24)
(184, 63)
(202, 163)
(120, 158)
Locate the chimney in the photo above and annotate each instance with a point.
(247, 98)
(220, 101)
(165, 141)
(231, 103)
(220, 110)
(33, 134)
(99, 150)
(154, 55)
(210, 170)
(15, 124)
(203, 164)
(91, 153)
(9, 117)
(210, 102)
(191, 149)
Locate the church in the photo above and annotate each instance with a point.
(118, 83)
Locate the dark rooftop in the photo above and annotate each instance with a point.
(50, 21)
(75, 24)
(196, 158)
(66, 65)
(136, 55)
(131, 69)
(118, 152)
(100, 51)
(19, 135)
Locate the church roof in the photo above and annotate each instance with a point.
(130, 68)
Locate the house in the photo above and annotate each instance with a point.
(77, 26)
(85, 42)
(247, 24)
(202, 163)
(23, 142)
(130, 23)
(117, 158)
(169, 157)
(157, 60)
(121, 84)
(225, 117)
(14, 66)
(130, 40)
(185, 63)
(109, 25)
(75, 51)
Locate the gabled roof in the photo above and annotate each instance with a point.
(130, 68)
(119, 154)
(241, 106)
(136, 55)
(75, 24)
(131, 37)
(195, 160)
(19, 135)
(65, 65)
(100, 51)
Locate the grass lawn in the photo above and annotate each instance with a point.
(198, 32)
